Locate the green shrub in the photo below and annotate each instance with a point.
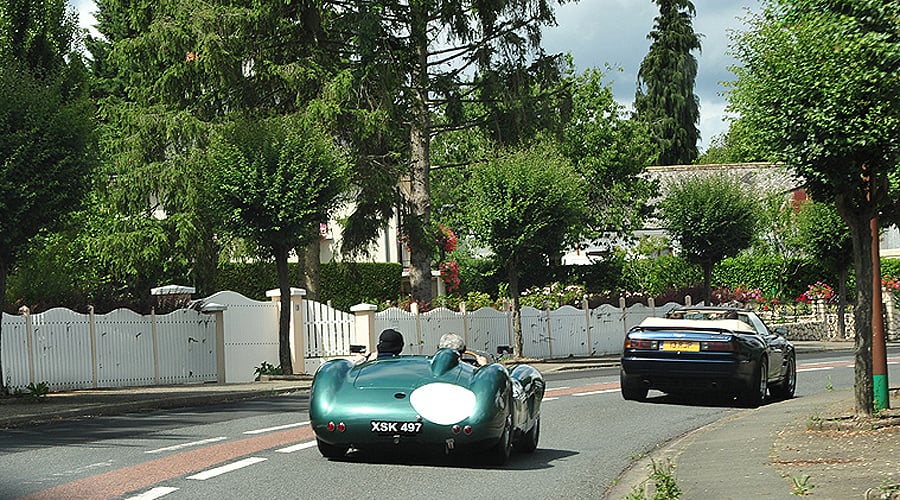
(656, 276)
(344, 284)
(348, 284)
(773, 275)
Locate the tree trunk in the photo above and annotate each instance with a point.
(861, 235)
(312, 267)
(707, 282)
(419, 166)
(284, 315)
(518, 341)
(842, 303)
(4, 269)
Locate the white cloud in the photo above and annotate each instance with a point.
(614, 32)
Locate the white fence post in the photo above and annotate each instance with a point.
(218, 312)
(587, 325)
(465, 315)
(295, 326)
(155, 339)
(364, 325)
(29, 340)
(92, 327)
(414, 309)
(549, 329)
(624, 315)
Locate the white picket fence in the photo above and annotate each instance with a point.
(69, 350)
(560, 333)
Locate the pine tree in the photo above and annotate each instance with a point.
(665, 98)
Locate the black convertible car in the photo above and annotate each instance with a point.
(697, 350)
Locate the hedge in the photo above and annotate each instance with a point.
(344, 284)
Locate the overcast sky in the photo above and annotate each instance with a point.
(614, 32)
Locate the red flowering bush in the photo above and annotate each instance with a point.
(450, 274)
(446, 238)
(816, 291)
(891, 284)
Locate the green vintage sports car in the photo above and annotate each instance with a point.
(439, 403)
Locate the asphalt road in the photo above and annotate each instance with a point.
(589, 436)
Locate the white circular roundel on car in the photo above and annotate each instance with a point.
(443, 404)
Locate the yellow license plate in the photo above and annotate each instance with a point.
(681, 345)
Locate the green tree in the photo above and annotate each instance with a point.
(610, 152)
(734, 146)
(166, 74)
(526, 204)
(711, 218)
(278, 179)
(46, 126)
(665, 98)
(825, 237)
(819, 81)
(432, 49)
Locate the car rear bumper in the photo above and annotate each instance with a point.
(680, 375)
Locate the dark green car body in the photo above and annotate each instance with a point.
(437, 403)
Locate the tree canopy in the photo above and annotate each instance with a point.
(610, 152)
(278, 179)
(46, 125)
(711, 218)
(665, 98)
(525, 204)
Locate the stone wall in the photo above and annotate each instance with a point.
(821, 329)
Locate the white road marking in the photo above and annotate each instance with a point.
(591, 393)
(276, 428)
(240, 464)
(550, 399)
(187, 445)
(815, 369)
(297, 447)
(154, 493)
(558, 388)
(84, 468)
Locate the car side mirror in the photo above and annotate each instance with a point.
(781, 331)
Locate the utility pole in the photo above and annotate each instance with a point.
(879, 352)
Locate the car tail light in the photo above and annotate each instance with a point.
(341, 427)
(641, 344)
(468, 430)
(456, 429)
(717, 346)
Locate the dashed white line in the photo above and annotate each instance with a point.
(240, 464)
(154, 493)
(550, 399)
(187, 445)
(591, 393)
(297, 447)
(815, 369)
(276, 428)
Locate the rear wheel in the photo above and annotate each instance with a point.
(788, 384)
(499, 454)
(529, 441)
(755, 392)
(632, 389)
(330, 450)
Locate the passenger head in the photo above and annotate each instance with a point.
(390, 343)
(452, 341)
